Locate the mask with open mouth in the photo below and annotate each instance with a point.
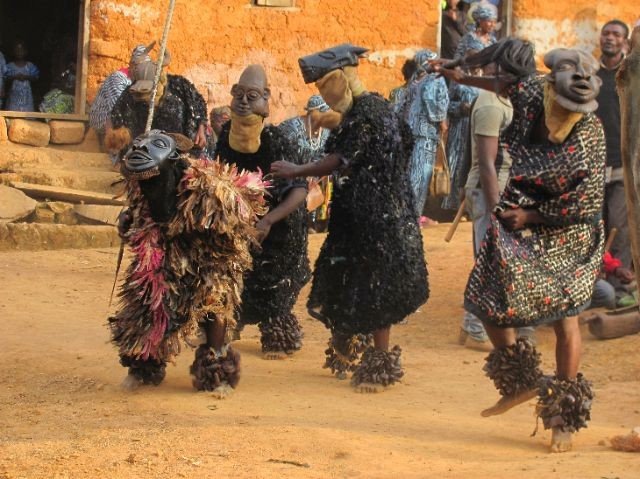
(154, 161)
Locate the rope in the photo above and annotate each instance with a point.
(163, 47)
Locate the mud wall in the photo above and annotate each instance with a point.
(550, 24)
(211, 41)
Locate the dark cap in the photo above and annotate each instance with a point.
(317, 65)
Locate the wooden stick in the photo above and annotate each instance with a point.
(612, 236)
(456, 221)
(163, 48)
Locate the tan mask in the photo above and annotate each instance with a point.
(244, 135)
(335, 90)
(558, 120)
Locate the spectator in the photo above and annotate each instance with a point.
(111, 90)
(20, 73)
(613, 38)
(453, 28)
(408, 69)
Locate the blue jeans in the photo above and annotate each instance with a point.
(604, 295)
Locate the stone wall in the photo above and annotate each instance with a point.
(212, 41)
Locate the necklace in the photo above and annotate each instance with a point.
(313, 142)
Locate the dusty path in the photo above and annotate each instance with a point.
(62, 413)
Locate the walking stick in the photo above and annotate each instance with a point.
(454, 225)
(163, 49)
(152, 102)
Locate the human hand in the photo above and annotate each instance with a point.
(284, 169)
(264, 227)
(625, 275)
(514, 219)
(124, 223)
(200, 139)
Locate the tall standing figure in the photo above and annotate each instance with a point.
(371, 271)
(543, 250)
(280, 266)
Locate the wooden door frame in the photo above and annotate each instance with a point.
(82, 63)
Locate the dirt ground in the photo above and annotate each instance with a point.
(63, 414)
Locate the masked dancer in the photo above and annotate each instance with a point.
(280, 266)
(543, 250)
(189, 226)
(371, 271)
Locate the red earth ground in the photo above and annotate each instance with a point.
(63, 414)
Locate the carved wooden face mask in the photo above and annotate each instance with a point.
(574, 79)
(251, 94)
(153, 161)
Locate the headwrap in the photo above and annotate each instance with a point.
(316, 102)
(484, 11)
(423, 56)
(140, 54)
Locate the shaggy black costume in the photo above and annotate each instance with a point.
(180, 110)
(281, 266)
(371, 271)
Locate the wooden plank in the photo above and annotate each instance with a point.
(83, 57)
(57, 193)
(628, 81)
(46, 116)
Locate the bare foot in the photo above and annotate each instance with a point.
(222, 392)
(507, 402)
(370, 388)
(274, 355)
(560, 440)
(130, 383)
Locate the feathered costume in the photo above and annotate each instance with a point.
(189, 268)
(280, 266)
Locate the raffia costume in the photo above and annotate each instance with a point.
(187, 267)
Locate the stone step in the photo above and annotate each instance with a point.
(69, 195)
(36, 236)
(88, 179)
(15, 156)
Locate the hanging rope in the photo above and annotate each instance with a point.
(163, 48)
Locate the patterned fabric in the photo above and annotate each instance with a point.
(181, 110)
(306, 150)
(371, 271)
(458, 137)
(56, 101)
(3, 71)
(108, 94)
(281, 266)
(20, 96)
(425, 107)
(547, 271)
(471, 41)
